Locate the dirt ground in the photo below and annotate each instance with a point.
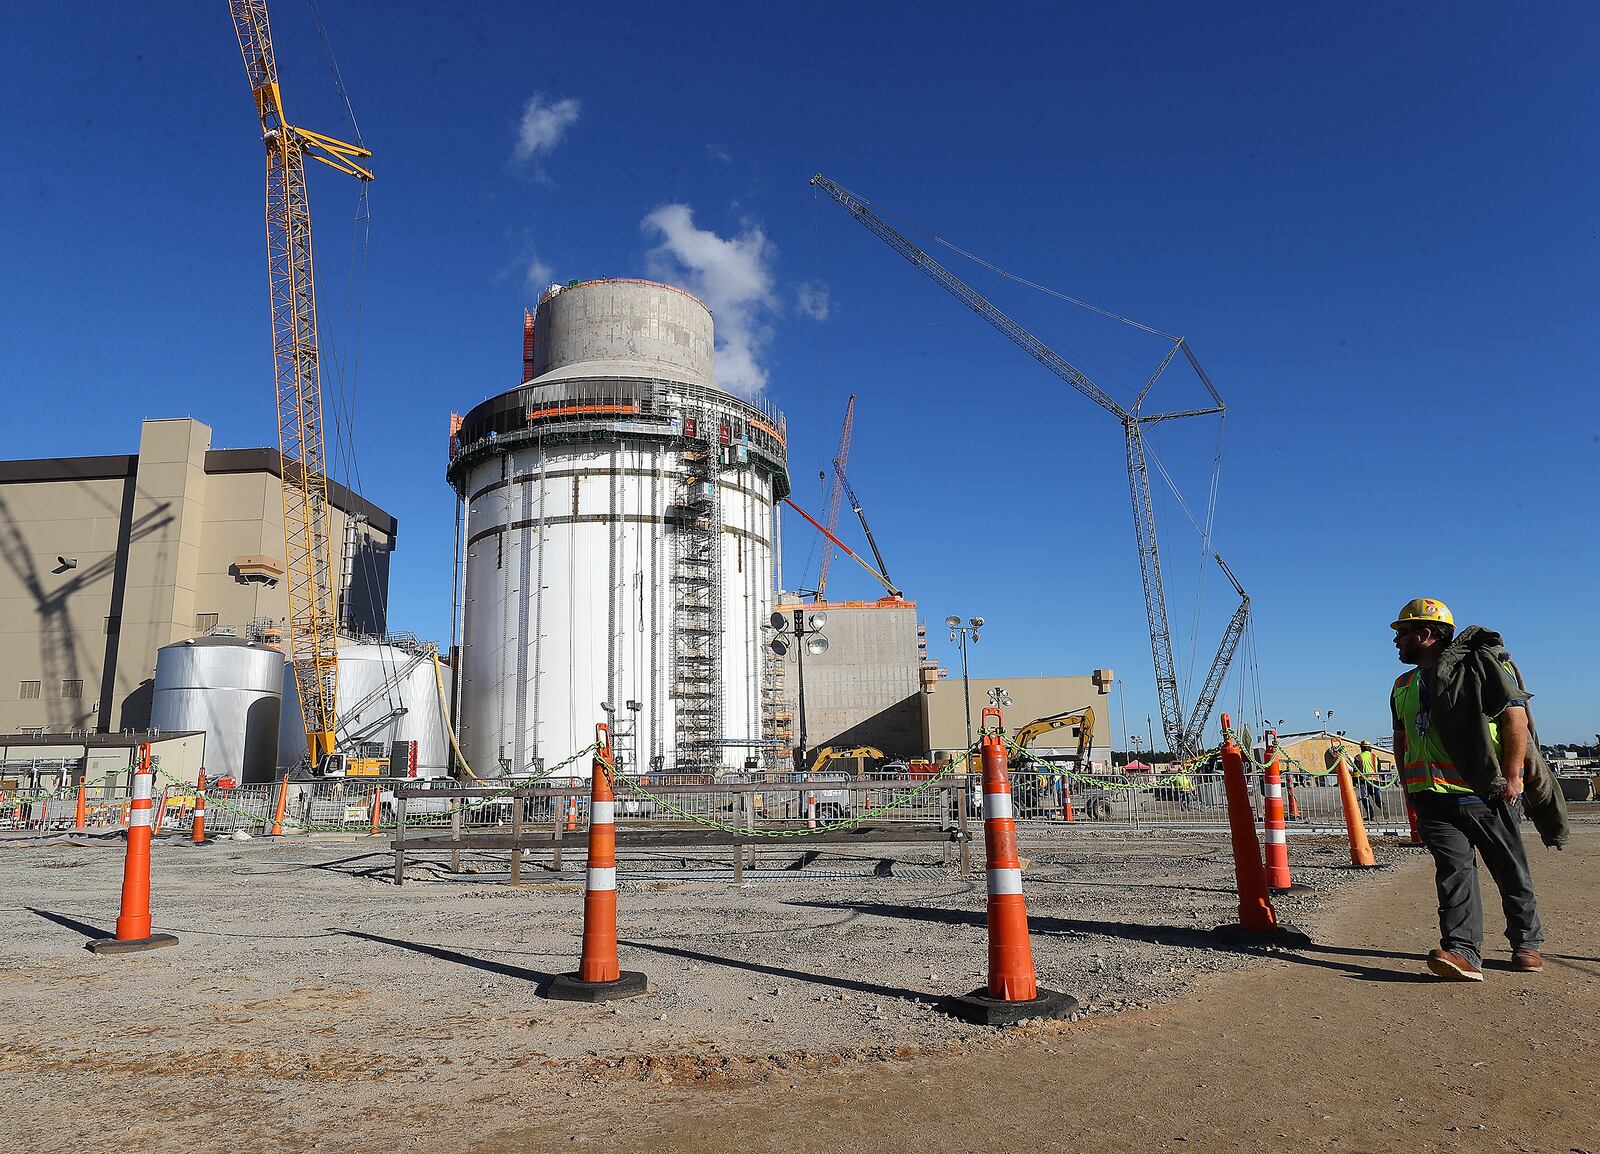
(311, 1006)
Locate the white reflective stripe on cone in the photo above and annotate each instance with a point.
(1272, 789)
(602, 812)
(1005, 881)
(1277, 836)
(602, 877)
(141, 786)
(138, 817)
(997, 805)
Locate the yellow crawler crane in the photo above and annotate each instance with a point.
(308, 560)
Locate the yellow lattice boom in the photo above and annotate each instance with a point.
(307, 529)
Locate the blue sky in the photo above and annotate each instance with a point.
(1375, 224)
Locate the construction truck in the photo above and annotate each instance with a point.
(1035, 788)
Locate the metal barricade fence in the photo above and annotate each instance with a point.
(56, 810)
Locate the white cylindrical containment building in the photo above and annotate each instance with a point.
(618, 543)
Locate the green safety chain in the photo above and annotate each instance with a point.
(1086, 779)
(419, 819)
(828, 827)
(1261, 765)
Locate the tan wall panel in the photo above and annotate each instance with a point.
(1032, 697)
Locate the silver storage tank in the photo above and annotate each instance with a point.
(233, 691)
(386, 694)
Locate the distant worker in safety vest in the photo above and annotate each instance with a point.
(1184, 784)
(1461, 740)
(1367, 775)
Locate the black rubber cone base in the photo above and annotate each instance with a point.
(982, 1010)
(129, 945)
(1296, 888)
(571, 988)
(1283, 935)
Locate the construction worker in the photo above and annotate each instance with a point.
(1184, 784)
(1461, 739)
(1366, 773)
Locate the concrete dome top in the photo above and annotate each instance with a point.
(623, 328)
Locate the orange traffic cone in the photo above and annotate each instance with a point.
(282, 804)
(572, 809)
(1411, 816)
(811, 808)
(199, 834)
(1355, 827)
(133, 922)
(1279, 880)
(1258, 921)
(80, 820)
(600, 976)
(1294, 803)
(160, 813)
(1066, 797)
(1013, 991)
(377, 801)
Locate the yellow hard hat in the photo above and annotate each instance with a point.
(1425, 611)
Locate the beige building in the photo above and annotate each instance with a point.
(1031, 698)
(35, 764)
(103, 560)
(1314, 750)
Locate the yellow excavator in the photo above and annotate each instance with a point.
(828, 753)
(1030, 788)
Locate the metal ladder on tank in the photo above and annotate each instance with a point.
(697, 611)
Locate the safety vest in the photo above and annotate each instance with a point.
(1427, 767)
(1366, 765)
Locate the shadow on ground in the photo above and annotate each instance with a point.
(1180, 937)
(504, 969)
(833, 980)
(72, 924)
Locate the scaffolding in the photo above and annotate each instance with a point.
(777, 717)
(697, 607)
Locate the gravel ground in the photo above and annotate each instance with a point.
(298, 962)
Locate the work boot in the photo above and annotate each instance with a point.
(1452, 967)
(1526, 961)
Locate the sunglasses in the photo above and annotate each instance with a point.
(1399, 633)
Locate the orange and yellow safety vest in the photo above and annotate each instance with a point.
(1427, 767)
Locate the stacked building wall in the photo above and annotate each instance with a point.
(103, 560)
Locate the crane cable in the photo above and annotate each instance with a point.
(997, 270)
(347, 374)
(338, 78)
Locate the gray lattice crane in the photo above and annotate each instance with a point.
(1183, 736)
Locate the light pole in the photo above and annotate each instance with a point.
(1122, 696)
(959, 632)
(807, 628)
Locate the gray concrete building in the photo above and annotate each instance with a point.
(867, 688)
(103, 560)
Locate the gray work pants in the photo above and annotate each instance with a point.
(1452, 830)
